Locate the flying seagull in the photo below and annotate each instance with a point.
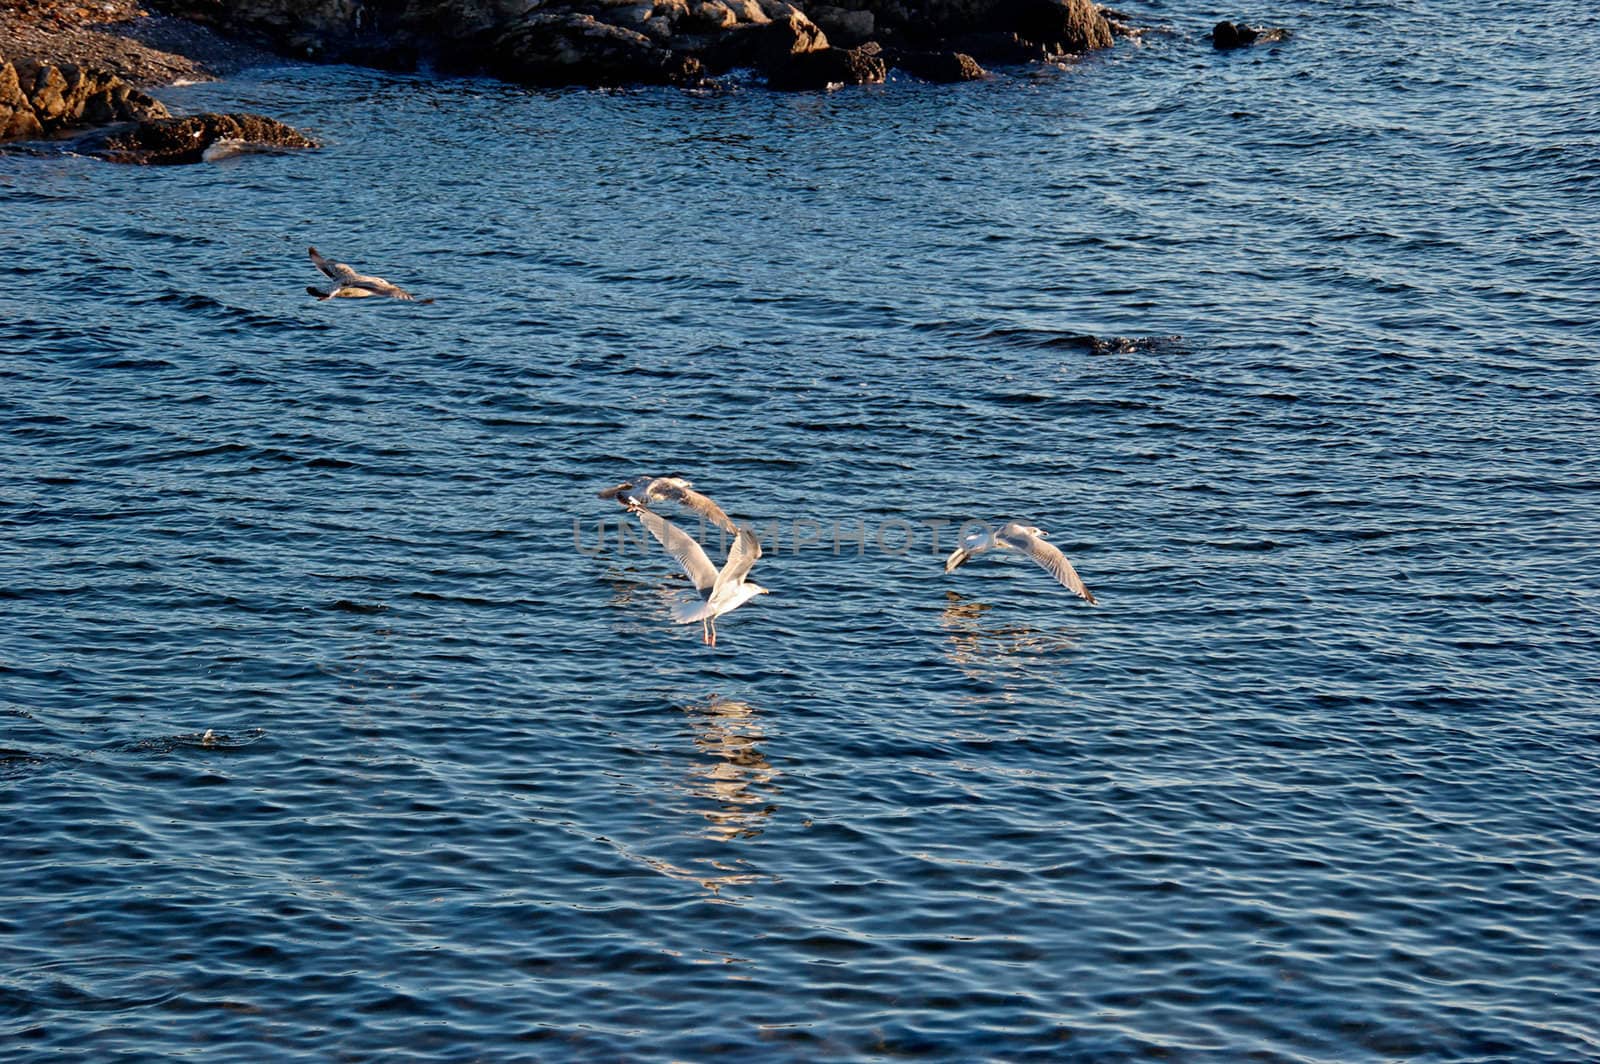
(348, 284)
(725, 591)
(637, 494)
(1029, 540)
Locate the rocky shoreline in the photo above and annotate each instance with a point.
(681, 42)
(144, 48)
(66, 66)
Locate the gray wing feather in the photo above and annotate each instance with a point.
(1049, 556)
(337, 270)
(376, 285)
(681, 546)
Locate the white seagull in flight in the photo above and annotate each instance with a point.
(348, 284)
(725, 591)
(1028, 539)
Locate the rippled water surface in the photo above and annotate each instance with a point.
(1293, 350)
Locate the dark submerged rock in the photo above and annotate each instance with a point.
(165, 141)
(1229, 35)
(998, 48)
(827, 67)
(937, 66)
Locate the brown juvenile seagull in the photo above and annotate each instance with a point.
(348, 284)
(637, 494)
(1028, 539)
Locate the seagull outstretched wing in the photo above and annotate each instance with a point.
(1032, 543)
(681, 546)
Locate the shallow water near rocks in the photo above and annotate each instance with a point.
(1292, 350)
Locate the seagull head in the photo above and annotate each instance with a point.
(745, 592)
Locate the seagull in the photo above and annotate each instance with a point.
(1028, 539)
(348, 284)
(725, 591)
(638, 493)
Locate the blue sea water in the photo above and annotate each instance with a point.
(1293, 350)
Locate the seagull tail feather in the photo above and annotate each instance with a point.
(691, 611)
(957, 559)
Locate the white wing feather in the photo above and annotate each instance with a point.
(681, 546)
(746, 550)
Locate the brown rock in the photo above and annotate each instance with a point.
(572, 49)
(710, 16)
(825, 68)
(594, 42)
(1060, 26)
(184, 140)
(765, 45)
(48, 93)
(16, 112)
(38, 99)
(1056, 26)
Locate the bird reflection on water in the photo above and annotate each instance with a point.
(730, 784)
(634, 585)
(738, 779)
(977, 647)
